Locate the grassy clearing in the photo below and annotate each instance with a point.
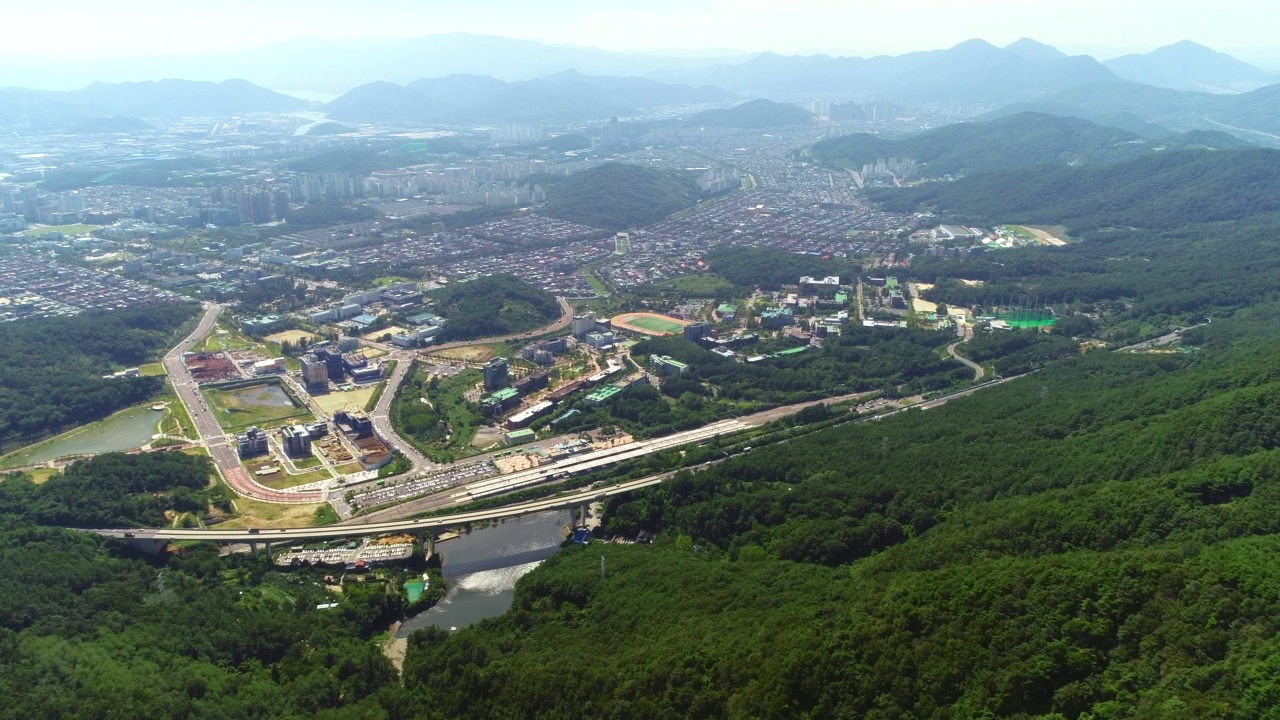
(39, 475)
(219, 341)
(151, 369)
(252, 513)
(306, 462)
(355, 398)
(595, 283)
(64, 229)
(177, 421)
(281, 481)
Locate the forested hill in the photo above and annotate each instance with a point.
(1166, 190)
(616, 196)
(493, 305)
(1018, 141)
(752, 115)
(1091, 542)
(51, 370)
(770, 268)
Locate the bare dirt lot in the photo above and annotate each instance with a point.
(292, 336)
(470, 353)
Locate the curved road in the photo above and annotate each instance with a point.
(221, 447)
(978, 371)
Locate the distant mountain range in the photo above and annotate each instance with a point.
(336, 66)
(751, 115)
(974, 70)
(82, 111)
(469, 78)
(1017, 141)
(563, 96)
(1188, 66)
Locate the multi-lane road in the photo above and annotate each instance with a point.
(570, 500)
(381, 415)
(221, 448)
(224, 456)
(378, 523)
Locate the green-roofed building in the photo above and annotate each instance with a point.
(602, 395)
(500, 401)
(519, 437)
(666, 365)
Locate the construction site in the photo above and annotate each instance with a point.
(210, 367)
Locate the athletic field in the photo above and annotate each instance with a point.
(649, 323)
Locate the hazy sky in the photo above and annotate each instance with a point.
(76, 29)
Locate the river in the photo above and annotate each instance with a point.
(123, 431)
(481, 569)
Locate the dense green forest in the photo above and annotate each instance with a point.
(1162, 191)
(1018, 141)
(771, 268)
(752, 115)
(1089, 542)
(116, 490)
(493, 305)
(89, 629)
(51, 370)
(616, 196)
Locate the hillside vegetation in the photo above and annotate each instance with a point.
(751, 115)
(493, 305)
(51, 370)
(1090, 540)
(1008, 143)
(1256, 111)
(89, 629)
(616, 196)
(1166, 190)
(770, 268)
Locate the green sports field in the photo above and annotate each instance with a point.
(651, 323)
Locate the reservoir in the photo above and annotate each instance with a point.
(481, 569)
(127, 430)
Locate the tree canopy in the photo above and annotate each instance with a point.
(493, 305)
(51, 369)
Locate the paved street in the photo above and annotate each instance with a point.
(221, 447)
